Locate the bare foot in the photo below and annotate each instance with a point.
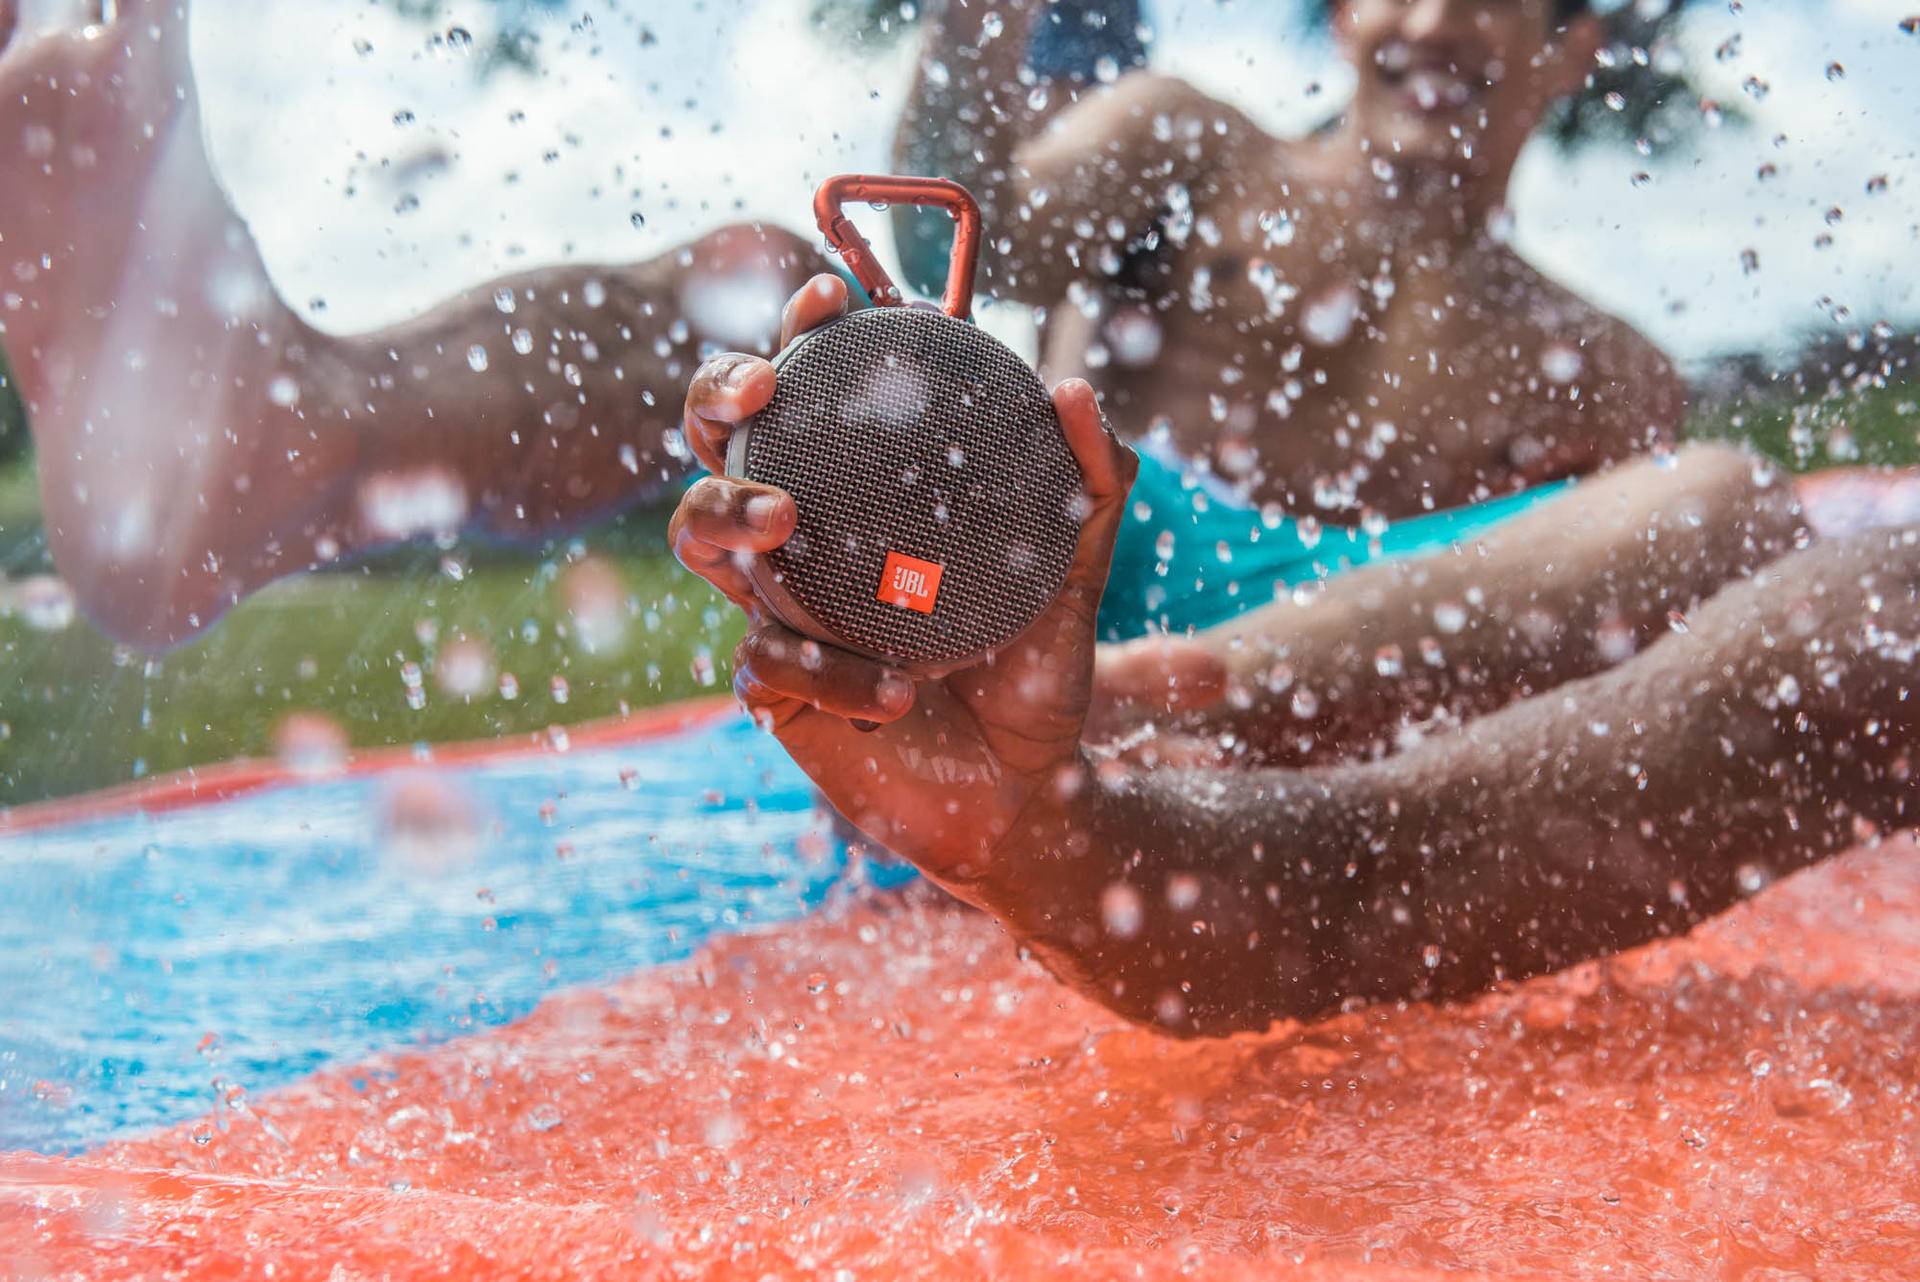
(196, 439)
(142, 327)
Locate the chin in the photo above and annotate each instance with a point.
(1426, 144)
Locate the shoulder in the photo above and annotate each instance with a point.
(1147, 113)
(1620, 368)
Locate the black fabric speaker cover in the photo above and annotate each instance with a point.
(938, 501)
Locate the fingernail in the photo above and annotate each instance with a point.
(761, 509)
(738, 374)
(894, 693)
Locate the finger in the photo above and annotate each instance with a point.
(1107, 469)
(725, 390)
(833, 680)
(739, 515)
(1171, 674)
(145, 22)
(723, 568)
(1177, 752)
(154, 11)
(1106, 466)
(812, 305)
(720, 524)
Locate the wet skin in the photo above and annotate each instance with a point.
(197, 439)
(1336, 323)
(1770, 730)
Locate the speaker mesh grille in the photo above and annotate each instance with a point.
(905, 430)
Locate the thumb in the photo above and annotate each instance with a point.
(1107, 469)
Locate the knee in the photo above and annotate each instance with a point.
(1725, 489)
(149, 601)
(758, 248)
(733, 282)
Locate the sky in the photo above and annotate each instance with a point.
(381, 171)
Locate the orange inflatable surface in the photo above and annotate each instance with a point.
(887, 1090)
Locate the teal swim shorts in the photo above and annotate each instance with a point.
(1190, 555)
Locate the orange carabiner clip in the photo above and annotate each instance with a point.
(858, 255)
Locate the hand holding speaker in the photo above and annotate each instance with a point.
(955, 758)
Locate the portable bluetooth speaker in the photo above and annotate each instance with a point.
(937, 497)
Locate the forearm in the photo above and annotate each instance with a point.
(1624, 807)
(546, 398)
(1563, 591)
(1202, 902)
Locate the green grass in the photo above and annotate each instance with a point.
(1873, 426)
(77, 713)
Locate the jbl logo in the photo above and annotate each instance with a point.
(909, 582)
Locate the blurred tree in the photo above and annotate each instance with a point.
(515, 42)
(1639, 88)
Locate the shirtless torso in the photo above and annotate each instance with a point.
(1327, 333)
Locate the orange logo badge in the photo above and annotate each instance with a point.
(909, 582)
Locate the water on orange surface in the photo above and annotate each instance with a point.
(888, 1090)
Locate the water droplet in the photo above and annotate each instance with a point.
(542, 1118)
(1450, 617)
(464, 668)
(44, 602)
(1430, 956)
(638, 219)
(1678, 622)
(477, 358)
(310, 744)
(1561, 363)
(1389, 661)
(1121, 910)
